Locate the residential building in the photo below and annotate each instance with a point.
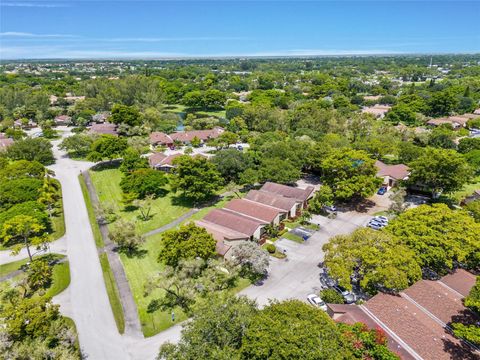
(277, 201)
(186, 137)
(457, 121)
(391, 174)
(252, 228)
(63, 120)
(5, 142)
(104, 129)
(162, 162)
(225, 237)
(100, 117)
(269, 214)
(300, 195)
(417, 321)
(160, 138)
(378, 111)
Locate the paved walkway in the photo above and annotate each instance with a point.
(58, 246)
(12, 274)
(130, 313)
(173, 223)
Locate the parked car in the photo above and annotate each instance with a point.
(327, 281)
(382, 190)
(375, 225)
(330, 208)
(239, 147)
(317, 302)
(380, 219)
(348, 296)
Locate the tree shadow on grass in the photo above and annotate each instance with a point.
(105, 165)
(132, 253)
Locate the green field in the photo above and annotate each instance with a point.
(164, 210)
(113, 294)
(468, 189)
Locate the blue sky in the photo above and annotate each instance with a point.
(157, 29)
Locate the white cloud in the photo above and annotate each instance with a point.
(17, 34)
(34, 5)
(161, 39)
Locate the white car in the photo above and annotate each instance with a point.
(381, 219)
(317, 302)
(375, 225)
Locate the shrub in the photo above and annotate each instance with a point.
(330, 296)
(271, 248)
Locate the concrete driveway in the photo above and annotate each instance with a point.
(298, 275)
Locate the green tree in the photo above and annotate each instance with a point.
(123, 114)
(323, 197)
(77, 145)
(196, 177)
(442, 137)
(402, 113)
(378, 259)
(31, 149)
(330, 296)
(213, 334)
(187, 242)
(126, 237)
(442, 103)
(25, 231)
(196, 142)
(144, 182)
(145, 206)
(292, 330)
(132, 161)
(18, 191)
(350, 174)
(473, 208)
(407, 152)
(107, 147)
(279, 171)
(39, 274)
(440, 170)
(470, 332)
(439, 236)
(22, 169)
(467, 144)
(231, 163)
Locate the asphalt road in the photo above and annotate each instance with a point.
(298, 275)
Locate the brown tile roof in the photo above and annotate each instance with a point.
(188, 136)
(288, 191)
(158, 137)
(160, 159)
(63, 118)
(254, 209)
(271, 199)
(422, 333)
(104, 128)
(461, 281)
(5, 142)
(349, 314)
(220, 232)
(397, 172)
(377, 110)
(234, 221)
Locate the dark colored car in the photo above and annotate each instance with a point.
(348, 297)
(382, 190)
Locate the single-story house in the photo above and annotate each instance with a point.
(288, 204)
(160, 138)
(417, 321)
(457, 121)
(300, 195)
(71, 99)
(378, 111)
(391, 174)
(63, 120)
(226, 238)
(477, 111)
(101, 117)
(474, 196)
(256, 210)
(186, 137)
(5, 142)
(104, 129)
(163, 162)
(30, 124)
(372, 97)
(252, 228)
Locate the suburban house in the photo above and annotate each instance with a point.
(160, 138)
(457, 121)
(185, 137)
(417, 321)
(252, 228)
(160, 161)
(277, 201)
(62, 120)
(100, 117)
(391, 174)
(300, 195)
(5, 142)
(256, 210)
(104, 129)
(378, 111)
(477, 111)
(224, 237)
(30, 124)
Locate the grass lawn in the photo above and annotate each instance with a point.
(113, 294)
(58, 223)
(91, 214)
(6, 269)
(164, 209)
(466, 190)
(292, 237)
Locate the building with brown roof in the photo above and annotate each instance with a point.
(63, 120)
(300, 195)
(456, 121)
(378, 111)
(252, 228)
(160, 138)
(419, 318)
(186, 137)
(391, 174)
(225, 237)
(256, 210)
(162, 162)
(104, 129)
(274, 200)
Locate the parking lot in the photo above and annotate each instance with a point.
(299, 274)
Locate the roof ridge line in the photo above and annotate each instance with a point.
(449, 288)
(393, 334)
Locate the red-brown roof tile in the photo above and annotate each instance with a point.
(254, 209)
(397, 172)
(234, 221)
(298, 194)
(271, 199)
